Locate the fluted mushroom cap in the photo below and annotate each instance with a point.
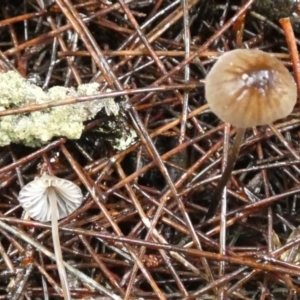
(34, 197)
(249, 88)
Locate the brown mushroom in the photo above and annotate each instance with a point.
(247, 88)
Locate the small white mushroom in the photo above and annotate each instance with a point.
(49, 198)
(34, 197)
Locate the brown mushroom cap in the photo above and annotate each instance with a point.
(249, 88)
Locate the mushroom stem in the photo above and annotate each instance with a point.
(232, 158)
(56, 243)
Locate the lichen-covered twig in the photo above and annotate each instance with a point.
(37, 128)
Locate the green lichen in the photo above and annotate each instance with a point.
(37, 128)
(121, 136)
(125, 141)
(15, 91)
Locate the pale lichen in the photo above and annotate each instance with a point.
(126, 140)
(16, 91)
(120, 137)
(37, 128)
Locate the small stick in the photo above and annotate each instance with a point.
(291, 43)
